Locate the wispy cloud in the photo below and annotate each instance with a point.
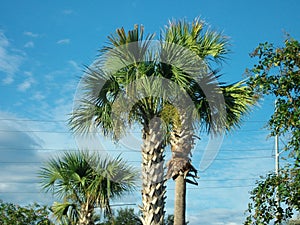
(38, 96)
(75, 65)
(217, 216)
(63, 41)
(8, 79)
(68, 11)
(30, 34)
(29, 44)
(20, 158)
(26, 84)
(10, 60)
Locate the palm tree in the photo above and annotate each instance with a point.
(110, 89)
(234, 102)
(85, 181)
(128, 84)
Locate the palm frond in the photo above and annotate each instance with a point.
(127, 51)
(207, 44)
(65, 212)
(239, 98)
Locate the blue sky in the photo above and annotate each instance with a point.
(44, 46)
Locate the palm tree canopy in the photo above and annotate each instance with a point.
(126, 59)
(83, 178)
(217, 106)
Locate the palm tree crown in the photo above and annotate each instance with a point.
(84, 181)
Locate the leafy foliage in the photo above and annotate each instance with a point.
(278, 73)
(127, 216)
(24, 215)
(266, 206)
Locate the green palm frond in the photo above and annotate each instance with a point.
(81, 178)
(66, 212)
(88, 117)
(207, 44)
(94, 109)
(127, 58)
(126, 52)
(238, 99)
(77, 173)
(66, 176)
(213, 45)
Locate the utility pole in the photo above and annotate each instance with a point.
(277, 172)
(277, 153)
(276, 147)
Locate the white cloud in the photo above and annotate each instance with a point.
(22, 151)
(30, 34)
(8, 79)
(217, 216)
(75, 65)
(10, 60)
(29, 44)
(26, 84)
(63, 41)
(28, 73)
(3, 40)
(38, 96)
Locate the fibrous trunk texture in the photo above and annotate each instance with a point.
(154, 189)
(179, 167)
(86, 215)
(182, 142)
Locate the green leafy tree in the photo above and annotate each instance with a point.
(277, 73)
(24, 215)
(128, 216)
(125, 216)
(84, 181)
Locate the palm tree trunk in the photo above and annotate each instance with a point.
(179, 167)
(154, 189)
(86, 215)
(180, 201)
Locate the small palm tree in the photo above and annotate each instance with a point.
(84, 181)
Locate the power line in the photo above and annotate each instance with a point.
(188, 188)
(40, 131)
(34, 120)
(59, 121)
(215, 187)
(94, 132)
(200, 180)
(235, 158)
(115, 150)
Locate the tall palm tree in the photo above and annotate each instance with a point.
(85, 181)
(110, 89)
(235, 101)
